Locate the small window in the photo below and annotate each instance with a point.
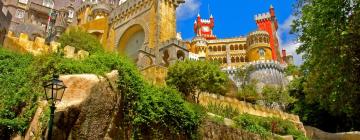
(23, 1)
(48, 3)
(19, 13)
(71, 13)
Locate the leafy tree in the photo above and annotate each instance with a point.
(292, 70)
(193, 77)
(274, 95)
(248, 92)
(330, 32)
(81, 40)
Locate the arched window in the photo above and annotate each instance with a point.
(219, 48)
(231, 47)
(237, 59)
(215, 49)
(236, 47)
(224, 48)
(232, 60)
(242, 59)
(260, 40)
(224, 60)
(210, 49)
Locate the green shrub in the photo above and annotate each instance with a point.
(18, 94)
(144, 107)
(218, 119)
(264, 126)
(226, 111)
(163, 110)
(81, 40)
(193, 77)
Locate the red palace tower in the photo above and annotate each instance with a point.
(268, 22)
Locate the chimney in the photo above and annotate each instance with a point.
(283, 52)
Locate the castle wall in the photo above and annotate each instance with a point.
(248, 108)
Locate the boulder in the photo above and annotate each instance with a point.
(87, 107)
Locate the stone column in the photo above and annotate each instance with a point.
(228, 57)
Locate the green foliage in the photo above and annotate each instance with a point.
(223, 110)
(144, 108)
(330, 32)
(218, 119)
(265, 126)
(17, 93)
(248, 92)
(292, 70)
(193, 77)
(277, 95)
(81, 40)
(252, 124)
(163, 110)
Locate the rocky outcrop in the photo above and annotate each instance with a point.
(87, 107)
(86, 110)
(317, 134)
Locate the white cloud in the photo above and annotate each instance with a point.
(188, 10)
(288, 41)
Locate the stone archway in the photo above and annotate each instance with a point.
(180, 55)
(131, 41)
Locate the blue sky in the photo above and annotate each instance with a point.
(236, 17)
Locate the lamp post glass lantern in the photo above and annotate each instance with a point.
(54, 91)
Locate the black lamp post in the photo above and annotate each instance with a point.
(54, 91)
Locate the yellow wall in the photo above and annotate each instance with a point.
(155, 74)
(22, 44)
(98, 26)
(253, 54)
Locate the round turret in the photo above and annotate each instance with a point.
(199, 43)
(258, 46)
(100, 10)
(268, 72)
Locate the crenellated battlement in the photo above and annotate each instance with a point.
(206, 21)
(173, 41)
(263, 17)
(22, 44)
(258, 39)
(259, 32)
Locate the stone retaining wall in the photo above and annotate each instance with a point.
(248, 108)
